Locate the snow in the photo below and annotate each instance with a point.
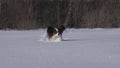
(80, 48)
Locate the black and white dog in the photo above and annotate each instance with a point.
(55, 34)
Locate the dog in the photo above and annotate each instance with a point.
(55, 33)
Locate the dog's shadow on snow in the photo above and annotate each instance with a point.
(77, 39)
(71, 39)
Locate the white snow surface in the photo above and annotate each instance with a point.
(80, 48)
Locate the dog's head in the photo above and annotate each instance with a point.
(51, 31)
(54, 33)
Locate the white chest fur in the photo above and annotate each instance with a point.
(55, 38)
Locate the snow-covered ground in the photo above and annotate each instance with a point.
(81, 48)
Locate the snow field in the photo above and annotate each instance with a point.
(81, 48)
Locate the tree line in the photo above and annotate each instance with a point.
(34, 14)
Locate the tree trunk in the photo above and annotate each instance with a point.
(58, 14)
(68, 13)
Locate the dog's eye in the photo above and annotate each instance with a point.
(54, 32)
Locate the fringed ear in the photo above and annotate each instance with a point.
(49, 29)
(61, 29)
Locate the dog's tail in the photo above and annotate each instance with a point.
(61, 29)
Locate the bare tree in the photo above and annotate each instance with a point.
(25, 15)
(58, 14)
(70, 7)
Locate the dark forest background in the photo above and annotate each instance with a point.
(34, 14)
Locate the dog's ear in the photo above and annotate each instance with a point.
(50, 29)
(61, 29)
